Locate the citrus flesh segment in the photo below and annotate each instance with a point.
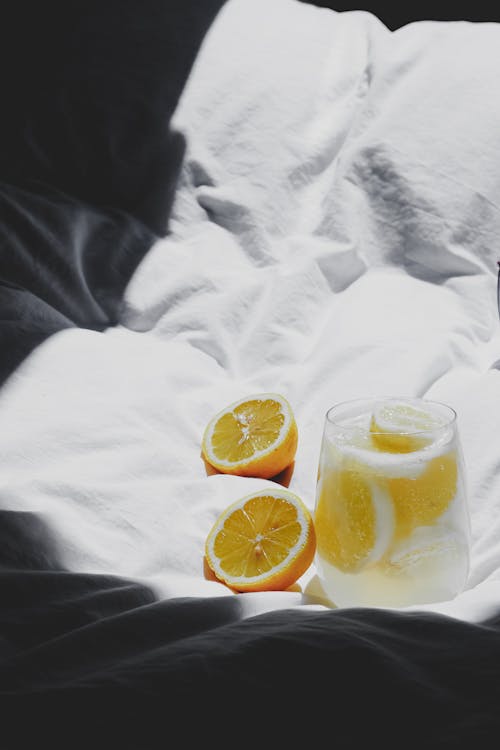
(353, 521)
(263, 542)
(421, 501)
(256, 436)
(252, 426)
(400, 427)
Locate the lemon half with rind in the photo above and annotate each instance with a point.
(264, 541)
(256, 436)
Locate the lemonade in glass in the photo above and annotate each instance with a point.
(391, 514)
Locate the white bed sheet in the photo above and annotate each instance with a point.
(334, 235)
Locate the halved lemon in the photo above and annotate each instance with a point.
(264, 541)
(353, 519)
(401, 427)
(256, 436)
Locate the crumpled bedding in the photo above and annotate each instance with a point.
(333, 235)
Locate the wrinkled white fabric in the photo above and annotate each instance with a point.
(334, 236)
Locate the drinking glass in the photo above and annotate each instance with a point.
(391, 513)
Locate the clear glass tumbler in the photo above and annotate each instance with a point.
(391, 513)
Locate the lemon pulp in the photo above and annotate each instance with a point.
(257, 537)
(248, 429)
(421, 501)
(345, 520)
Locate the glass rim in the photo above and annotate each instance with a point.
(412, 400)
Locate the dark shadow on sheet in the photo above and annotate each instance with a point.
(62, 264)
(97, 656)
(40, 600)
(191, 668)
(27, 542)
(88, 92)
(396, 15)
(89, 162)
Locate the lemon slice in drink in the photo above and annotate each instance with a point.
(354, 520)
(401, 427)
(421, 501)
(423, 549)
